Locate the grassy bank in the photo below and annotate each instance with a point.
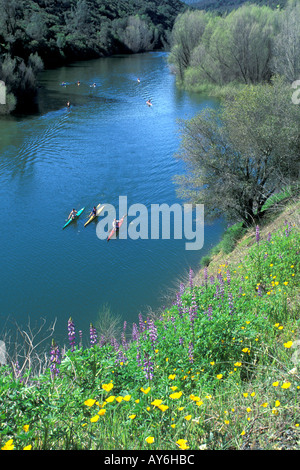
(219, 369)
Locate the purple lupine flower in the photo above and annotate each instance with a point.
(212, 280)
(135, 332)
(55, 359)
(121, 357)
(114, 344)
(148, 367)
(178, 303)
(141, 322)
(222, 288)
(181, 341)
(80, 338)
(191, 352)
(102, 341)
(228, 277)
(209, 312)
(259, 291)
(257, 234)
(173, 322)
(269, 237)
(217, 293)
(181, 288)
(193, 310)
(152, 332)
(93, 335)
(71, 334)
(230, 303)
(191, 278)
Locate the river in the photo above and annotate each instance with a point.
(109, 143)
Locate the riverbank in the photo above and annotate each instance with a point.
(218, 370)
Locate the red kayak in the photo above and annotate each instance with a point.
(115, 230)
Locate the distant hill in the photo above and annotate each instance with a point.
(227, 5)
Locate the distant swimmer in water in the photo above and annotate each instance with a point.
(78, 83)
(93, 86)
(63, 84)
(139, 81)
(68, 104)
(149, 102)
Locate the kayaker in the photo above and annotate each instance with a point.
(116, 224)
(149, 102)
(94, 211)
(68, 104)
(138, 80)
(73, 214)
(78, 83)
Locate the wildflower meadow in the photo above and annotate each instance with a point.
(216, 370)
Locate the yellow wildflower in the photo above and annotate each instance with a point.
(90, 402)
(107, 387)
(8, 445)
(175, 395)
(163, 407)
(150, 439)
(156, 402)
(94, 419)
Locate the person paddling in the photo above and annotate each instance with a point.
(72, 214)
(94, 211)
(116, 224)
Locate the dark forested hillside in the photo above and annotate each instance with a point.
(227, 5)
(36, 33)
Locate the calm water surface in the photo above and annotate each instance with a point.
(109, 143)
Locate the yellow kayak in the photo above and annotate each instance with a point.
(99, 209)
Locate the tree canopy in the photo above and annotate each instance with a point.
(241, 154)
(245, 46)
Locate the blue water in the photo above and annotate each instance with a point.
(108, 144)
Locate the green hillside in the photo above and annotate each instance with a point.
(227, 5)
(218, 370)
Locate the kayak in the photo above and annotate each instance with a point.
(74, 218)
(99, 209)
(115, 230)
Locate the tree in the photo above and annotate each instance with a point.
(286, 59)
(241, 154)
(186, 35)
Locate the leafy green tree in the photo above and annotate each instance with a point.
(240, 155)
(286, 59)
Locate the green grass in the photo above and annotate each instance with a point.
(224, 370)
